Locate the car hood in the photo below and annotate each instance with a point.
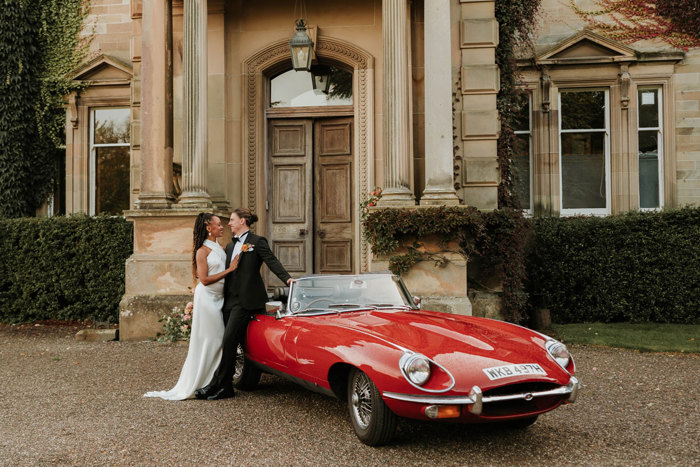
(461, 344)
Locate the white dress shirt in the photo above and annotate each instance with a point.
(239, 244)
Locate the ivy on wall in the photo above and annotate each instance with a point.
(516, 23)
(40, 44)
(677, 22)
(497, 239)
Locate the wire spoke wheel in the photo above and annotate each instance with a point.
(240, 363)
(362, 400)
(373, 421)
(245, 375)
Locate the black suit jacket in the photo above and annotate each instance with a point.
(245, 284)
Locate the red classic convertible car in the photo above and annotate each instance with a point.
(362, 338)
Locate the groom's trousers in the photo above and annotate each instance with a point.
(236, 319)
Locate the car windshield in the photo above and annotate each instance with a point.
(321, 294)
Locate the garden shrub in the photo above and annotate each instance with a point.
(636, 267)
(62, 268)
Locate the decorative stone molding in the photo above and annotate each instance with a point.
(624, 86)
(272, 57)
(478, 33)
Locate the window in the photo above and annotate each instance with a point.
(584, 155)
(297, 89)
(650, 136)
(109, 160)
(522, 162)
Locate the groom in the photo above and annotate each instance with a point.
(244, 296)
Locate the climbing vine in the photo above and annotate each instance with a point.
(676, 22)
(497, 239)
(40, 44)
(516, 23)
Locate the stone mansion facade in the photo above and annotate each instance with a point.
(193, 105)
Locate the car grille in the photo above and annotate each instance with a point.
(521, 406)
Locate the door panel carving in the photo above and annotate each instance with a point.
(336, 256)
(336, 183)
(289, 192)
(289, 140)
(291, 254)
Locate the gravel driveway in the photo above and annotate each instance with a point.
(68, 402)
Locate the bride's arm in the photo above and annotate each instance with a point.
(203, 267)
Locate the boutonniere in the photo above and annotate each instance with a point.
(247, 247)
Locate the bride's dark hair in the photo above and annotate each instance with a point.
(199, 234)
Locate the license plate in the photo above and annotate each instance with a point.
(505, 371)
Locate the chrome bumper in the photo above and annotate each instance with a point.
(475, 400)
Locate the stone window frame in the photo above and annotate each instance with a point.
(564, 212)
(660, 147)
(92, 159)
(622, 73)
(107, 83)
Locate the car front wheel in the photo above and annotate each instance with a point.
(245, 376)
(373, 421)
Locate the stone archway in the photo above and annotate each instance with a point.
(254, 71)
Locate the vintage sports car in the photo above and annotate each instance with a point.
(363, 338)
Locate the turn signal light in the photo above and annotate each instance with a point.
(442, 411)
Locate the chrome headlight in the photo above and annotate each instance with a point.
(416, 368)
(559, 352)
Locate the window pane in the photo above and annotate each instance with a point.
(522, 119)
(582, 110)
(583, 170)
(295, 89)
(111, 126)
(648, 109)
(648, 169)
(521, 168)
(112, 180)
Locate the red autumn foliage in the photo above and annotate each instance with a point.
(676, 22)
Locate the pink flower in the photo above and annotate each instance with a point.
(189, 306)
(187, 317)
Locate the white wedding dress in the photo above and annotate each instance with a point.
(204, 353)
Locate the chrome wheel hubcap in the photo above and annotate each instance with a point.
(362, 400)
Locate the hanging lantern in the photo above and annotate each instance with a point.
(321, 78)
(301, 47)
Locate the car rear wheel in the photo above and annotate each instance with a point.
(373, 421)
(245, 376)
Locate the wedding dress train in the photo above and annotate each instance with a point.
(204, 353)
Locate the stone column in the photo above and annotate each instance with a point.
(195, 77)
(155, 191)
(439, 165)
(397, 154)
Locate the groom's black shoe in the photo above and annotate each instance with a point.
(222, 393)
(205, 392)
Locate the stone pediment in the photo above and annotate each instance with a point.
(104, 70)
(587, 47)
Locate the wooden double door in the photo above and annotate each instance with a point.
(310, 195)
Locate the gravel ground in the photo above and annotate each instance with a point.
(68, 402)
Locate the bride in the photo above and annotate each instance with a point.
(204, 353)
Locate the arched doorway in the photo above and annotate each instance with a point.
(310, 201)
(286, 151)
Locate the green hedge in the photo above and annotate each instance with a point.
(62, 268)
(637, 267)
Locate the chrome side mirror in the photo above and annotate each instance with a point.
(417, 301)
(277, 307)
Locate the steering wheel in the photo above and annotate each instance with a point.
(318, 300)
